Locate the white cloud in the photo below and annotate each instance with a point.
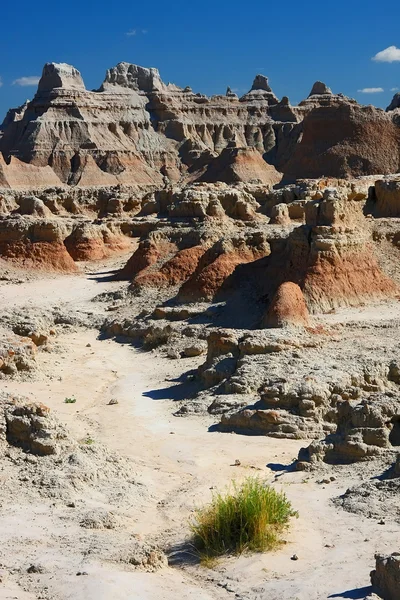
(391, 54)
(394, 89)
(133, 32)
(371, 90)
(26, 81)
(1, 82)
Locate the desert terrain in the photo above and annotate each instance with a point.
(197, 290)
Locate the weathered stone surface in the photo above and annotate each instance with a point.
(387, 192)
(29, 426)
(288, 307)
(138, 130)
(319, 88)
(386, 576)
(395, 103)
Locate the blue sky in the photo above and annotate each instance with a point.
(206, 44)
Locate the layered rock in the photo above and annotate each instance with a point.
(137, 129)
(386, 576)
(331, 257)
(340, 138)
(395, 103)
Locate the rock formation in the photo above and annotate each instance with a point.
(135, 129)
(288, 307)
(395, 103)
(386, 576)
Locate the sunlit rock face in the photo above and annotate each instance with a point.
(135, 129)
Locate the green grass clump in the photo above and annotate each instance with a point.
(248, 517)
(70, 400)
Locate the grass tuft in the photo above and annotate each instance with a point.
(249, 517)
(70, 400)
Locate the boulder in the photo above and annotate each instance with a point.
(386, 576)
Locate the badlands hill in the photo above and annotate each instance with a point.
(135, 129)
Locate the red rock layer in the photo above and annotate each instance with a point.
(96, 248)
(212, 273)
(45, 256)
(146, 255)
(173, 272)
(347, 279)
(288, 307)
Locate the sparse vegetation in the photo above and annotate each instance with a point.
(70, 400)
(248, 517)
(88, 441)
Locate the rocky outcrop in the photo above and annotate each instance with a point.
(340, 138)
(331, 257)
(135, 129)
(365, 430)
(395, 103)
(29, 426)
(17, 355)
(240, 164)
(386, 576)
(387, 193)
(320, 89)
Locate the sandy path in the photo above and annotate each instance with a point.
(180, 461)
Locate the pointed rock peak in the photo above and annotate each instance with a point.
(319, 89)
(229, 93)
(285, 101)
(133, 77)
(261, 83)
(395, 103)
(60, 75)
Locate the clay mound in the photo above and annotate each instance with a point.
(146, 255)
(113, 169)
(240, 164)
(288, 307)
(88, 242)
(344, 139)
(43, 256)
(215, 267)
(174, 271)
(20, 175)
(347, 280)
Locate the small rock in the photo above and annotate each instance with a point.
(194, 350)
(237, 463)
(113, 401)
(82, 573)
(183, 410)
(294, 557)
(3, 575)
(381, 522)
(35, 569)
(88, 345)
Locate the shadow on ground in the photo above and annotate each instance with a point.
(355, 594)
(181, 554)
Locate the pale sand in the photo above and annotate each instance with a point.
(335, 549)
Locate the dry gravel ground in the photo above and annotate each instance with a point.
(176, 462)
